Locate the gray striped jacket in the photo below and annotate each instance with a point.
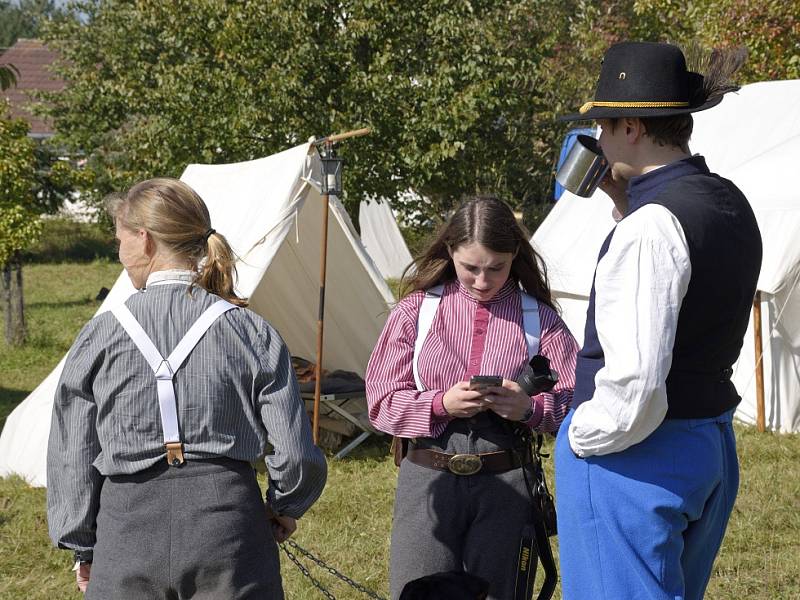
(237, 397)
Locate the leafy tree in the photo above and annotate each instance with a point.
(461, 96)
(19, 224)
(451, 89)
(24, 19)
(8, 76)
(769, 29)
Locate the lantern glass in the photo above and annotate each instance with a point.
(332, 175)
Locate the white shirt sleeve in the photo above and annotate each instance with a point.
(639, 287)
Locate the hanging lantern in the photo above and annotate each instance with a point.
(331, 173)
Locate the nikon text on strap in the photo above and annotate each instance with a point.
(165, 368)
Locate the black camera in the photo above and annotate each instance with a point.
(537, 376)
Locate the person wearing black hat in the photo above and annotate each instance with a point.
(646, 466)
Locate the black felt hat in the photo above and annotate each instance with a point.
(644, 79)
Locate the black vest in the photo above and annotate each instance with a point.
(725, 253)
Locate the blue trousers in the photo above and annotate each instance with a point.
(646, 523)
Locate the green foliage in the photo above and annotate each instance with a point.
(451, 90)
(24, 19)
(769, 29)
(57, 177)
(19, 224)
(417, 237)
(461, 96)
(8, 76)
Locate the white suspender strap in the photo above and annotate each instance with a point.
(161, 368)
(164, 369)
(139, 337)
(531, 323)
(196, 332)
(427, 310)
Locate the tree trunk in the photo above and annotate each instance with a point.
(7, 299)
(13, 301)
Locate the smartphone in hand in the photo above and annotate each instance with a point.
(481, 382)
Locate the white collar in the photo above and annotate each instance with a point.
(182, 276)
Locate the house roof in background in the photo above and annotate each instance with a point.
(32, 59)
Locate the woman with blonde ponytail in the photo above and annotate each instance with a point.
(163, 404)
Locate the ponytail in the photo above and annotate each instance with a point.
(217, 272)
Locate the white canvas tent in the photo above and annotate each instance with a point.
(753, 139)
(382, 238)
(271, 212)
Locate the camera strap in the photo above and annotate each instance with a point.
(534, 538)
(526, 564)
(548, 562)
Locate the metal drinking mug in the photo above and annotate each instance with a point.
(584, 167)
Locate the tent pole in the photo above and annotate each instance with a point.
(331, 184)
(320, 317)
(760, 420)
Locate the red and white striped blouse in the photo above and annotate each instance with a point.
(467, 337)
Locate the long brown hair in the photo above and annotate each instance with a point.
(490, 222)
(178, 220)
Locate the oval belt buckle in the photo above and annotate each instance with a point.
(464, 464)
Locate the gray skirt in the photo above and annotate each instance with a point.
(198, 531)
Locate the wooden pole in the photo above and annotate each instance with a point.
(328, 142)
(320, 316)
(332, 139)
(760, 419)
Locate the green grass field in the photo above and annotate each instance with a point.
(349, 526)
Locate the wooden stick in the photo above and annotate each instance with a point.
(760, 419)
(343, 136)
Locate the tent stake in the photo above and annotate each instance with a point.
(760, 420)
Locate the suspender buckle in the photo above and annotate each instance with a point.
(164, 371)
(175, 454)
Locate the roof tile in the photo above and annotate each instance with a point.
(33, 59)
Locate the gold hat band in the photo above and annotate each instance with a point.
(589, 105)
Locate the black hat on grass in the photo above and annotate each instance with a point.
(645, 79)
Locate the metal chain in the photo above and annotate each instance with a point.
(305, 572)
(320, 563)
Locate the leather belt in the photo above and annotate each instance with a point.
(467, 464)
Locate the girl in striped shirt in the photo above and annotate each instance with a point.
(443, 520)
